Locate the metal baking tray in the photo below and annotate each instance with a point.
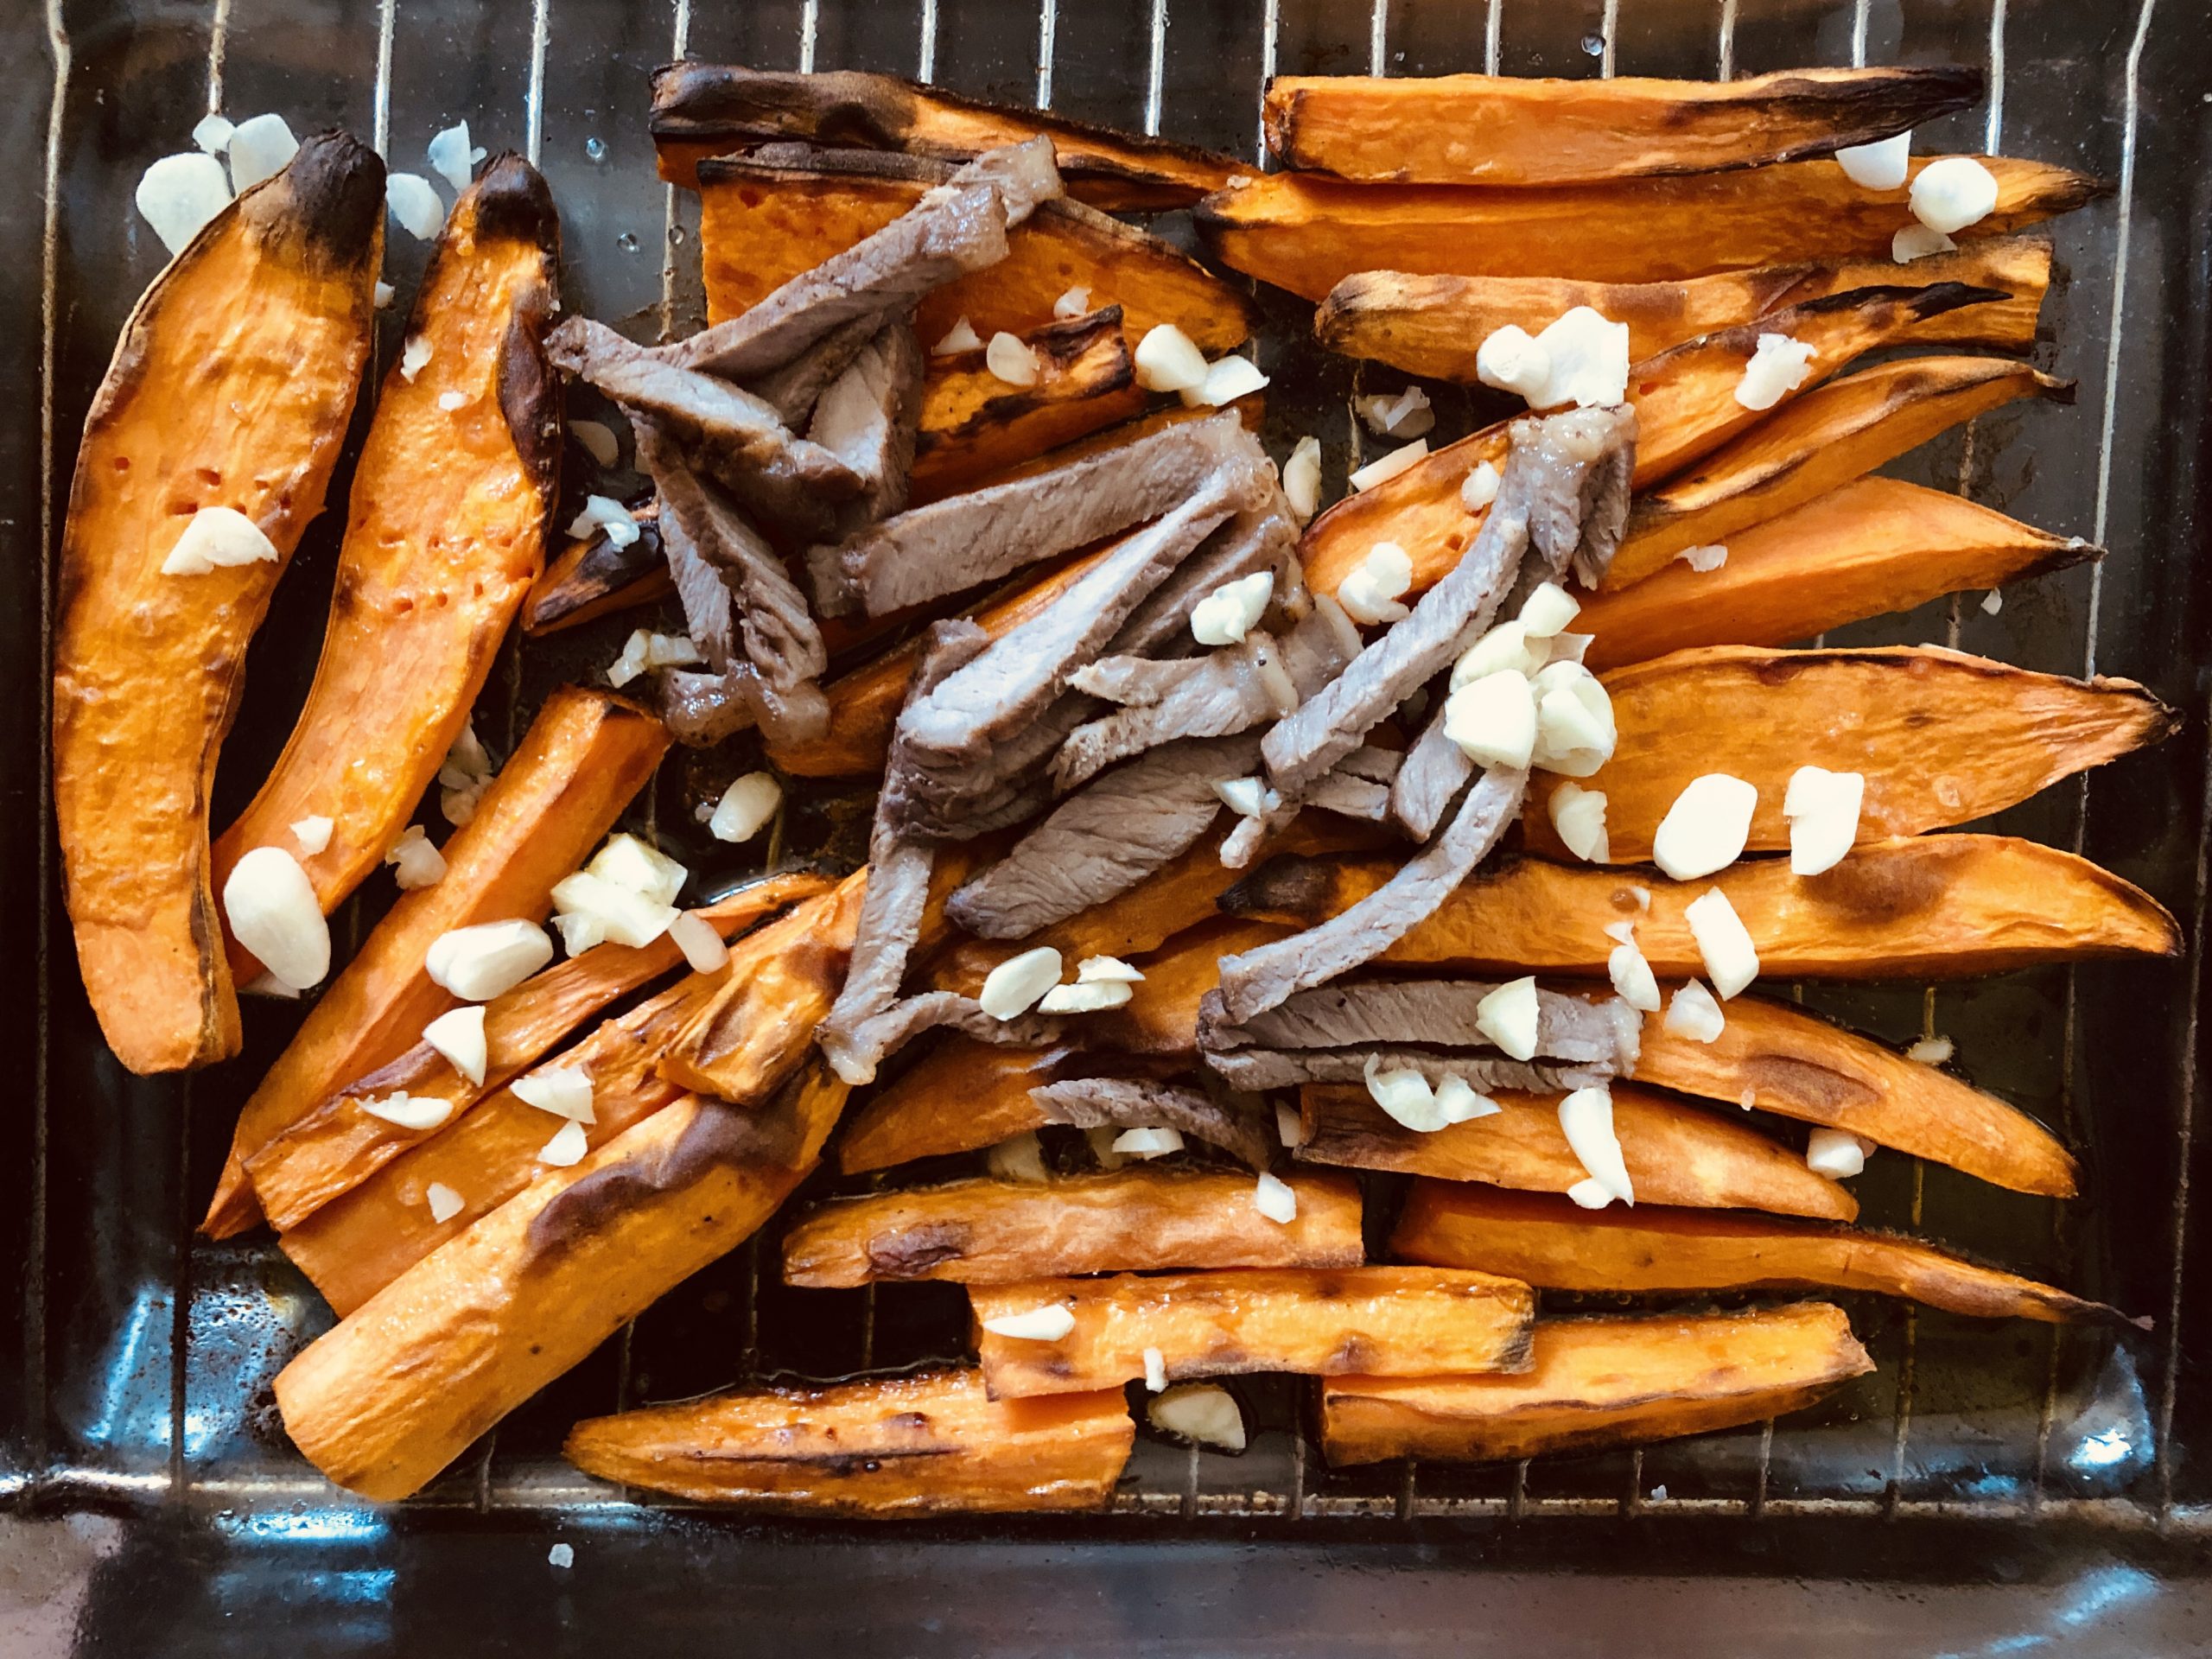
(1989, 1483)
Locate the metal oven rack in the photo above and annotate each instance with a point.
(136, 1382)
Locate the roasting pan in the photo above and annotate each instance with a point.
(1991, 1488)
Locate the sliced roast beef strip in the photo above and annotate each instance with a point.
(709, 613)
(1542, 494)
(1243, 1128)
(964, 541)
(1437, 1012)
(1350, 795)
(1257, 1069)
(1103, 840)
(793, 389)
(1228, 691)
(868, 416)
(1435, 770)
(1250, 543)
(1321, 646)
(700, 711)
(1264, 978)
(885, 1034)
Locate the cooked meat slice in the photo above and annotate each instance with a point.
(1244, 1128)
(793, 389)
(709, 613)
(702, 710)
(1229, 690)
(964, 541)
(1434, 772)
(1103, 840)
(1320, 647)
(958, 801)
(1251, 542)
(1259, 1069)
(1350, 795)
(1025, 173)
(885, 1034)
(1439, 1013)
(1257, 981)
(1552, 461)
(1359, 787)
(868, 416)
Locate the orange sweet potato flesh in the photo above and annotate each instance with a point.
(1136, 1220)
(1923, 907)
(1600, 1382)
(701, 109)
(1875, 545)
(337, 1145)
(1306, 232)
(1496, 129)
(960, 1095)
(584, 757)
(1825, 438)
(1784, 1060)
(445, 529)
(1434, 326)
(881, 1449)
(1676, 1153)
(407, 1382)
(1554, 1245)
(1941, 738)
(230, 387)
(1313, 1321)
(591, 577)
(760, 227)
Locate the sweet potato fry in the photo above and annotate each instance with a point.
(990, 1232)
(1434, 325)
(229, 389)
(1315, 1321)
(1825, 438)
(1307, 233)
(1676, 1153)
(959, 1096)
(1797, 1064)
(882, 1449)
(591, 577)
(1498, 130)
(402, 1385)
(337, 1145)
(445, 533)
(1600, 1382)
(1875, 545)
(1556, 1246)
(584, 757)
(1924, 907)
(760, 225)
(701, 109)
(1941, 738)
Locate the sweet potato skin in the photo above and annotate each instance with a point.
(407, 1382)
(1306, 232)
(1320, 1322)
(1497, 130)
(1941, 738)
(885, 1448)
(1676, 1153)
(1875, 545)
(584, 757)
(232, 385)
(1555, 1246)
(591, 577)
(1600, 1382)
(1929, 906)
(1140, 1219)
(960, 1095)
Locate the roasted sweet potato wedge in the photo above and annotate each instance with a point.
(1600, 1382)
(1784, 1060)
(1824, 439)
(1676, 1153)
(1135, 1220)
(445, 532)
(337, 1145)
(230, 390)
(1434, 325)
(974, 426)
(1531, 131)
(701, 109)
(760, 225)
(1316, 1322)
(585, 756)
(1556, 1246)
(591, 577)
(1875, 545)
(1925, 907)
(960, 1095)
(407, 1382)
(1941, 738)
(883, 1449)
(1307, 233)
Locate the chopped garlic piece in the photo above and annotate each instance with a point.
(1879, 166)
(1406, 414)
(1589, 359)
(1822, 808)
(580, 931)
(1386, 468)
(1148, 1143)
(961, 337)
(458, 1033)
(313, 834)
(1100, 1139)
(604, 515)
(1931, 1050)
(1991, 603)
(621, 915)
(1777, 368)
(1224, 616)
(450, 401)
(179, 194)
(1081, 998)
(563, 1090)
(1094, 970)
(1578, 816)
(1633, 977)
(1706, 827)
(1403, 1093)
(745, 807)
(1276, 1200)
(1730, 960)
(1227, 379)
(1155, 1370)
(567, 1147)
(701, 944)
(1015, 984)
(1371, 589)
(1493, 720)
(1480, 488)
(477, 963)
(1205, 1413)
(1458, 1103)
(1590, 1193)
(413, 356)
(445, 1203)
(415, 862)
(1708, 557)
(1010, 359)
(272, 910)
(1586, 1116)
(1510, 359)
(598, 440)
(1917, 242)
(1547, 610)
(1643, 897)
(450, 157)
(267, 984)
(1248, 798)
(1506, 647)
(1508, 1017)
(1167, 360)
(415, 1112)
(1020, 1158)
(1046, 1324)
(1620, 932)
(1575, 731)
(1290, 1128)
(638, 866)
(1953, 192)
(415, 205)
(1075, 302)
(213, 134)
(1836, 1153)
(1694, 1014)
(383, 296)
(218, 537)
(260, 148)
(1302, 479)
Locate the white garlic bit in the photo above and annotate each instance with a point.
(1507, 646)
(745, 807)
(1589, 359)
(1633, 977)
(563, 1090)
(450, 157)
(1227, 379)
(1694, 1014)
(1702, 559)
(1020, 1158)
(1548, 610)
(458, 1033)
(213, 134)
(1836, 1153)
(1148, 1143)
(699, 940)
(598, 440)
(1202, 1413)
(1248, 798)
(1578, 817)
(1290, 1128)
(1093, 971)
(1589, 1193)
(179, 194)
(1510, 359)
(1493, 720)
(1916, 241)
(1509, 1016)
(1575, 731)
(1074, 303)
(1224, 616)
(445, 1203)
(1706, 827)
(567, 1147)
(260, 147)
(603, 514)
(1302, 479)
(1046, 1324)
(313, 834)
(620, 913)
(1822, 808)
(1275, 1199)
(415, 862)
(1081, 998)
(1370, 590)
(1932, 1051)
(1155, 1370)
(1406, 414)
(218, 537)
(1777, 368)
(638, 867)
(1586, 1116)
(1009, 358)
(1879, 166)
(1480, 488)
(1383, 469)
(415, 1112)
(1952, 192)
(272, 910)
(415, 205)
(1014, 986)
(961, 337)
(1168, 360)
(477, 963)
(1732, 962)
(414, 357)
